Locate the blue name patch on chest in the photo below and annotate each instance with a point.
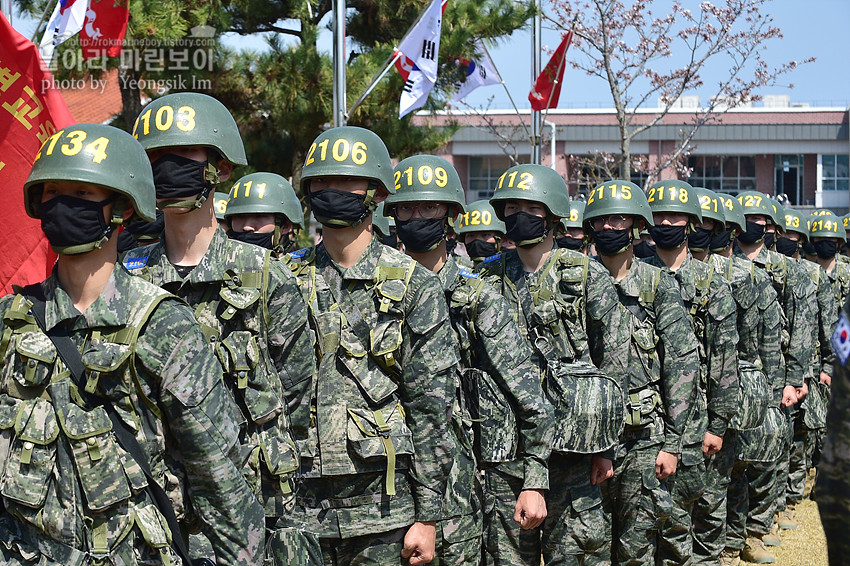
(136, 262)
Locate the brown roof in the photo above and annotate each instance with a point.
(91, 100)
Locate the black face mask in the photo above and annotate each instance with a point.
(809, 249)
(570, 243)
(826, 249)
(754, 233)
(178, 177)
(668, 237)
(420, 235)
(74, 225)
(144, 231)
(391, 240)
(451, 244)
(787, 246)
(700, 239)
(262, 239)
(612, 242)
(644, 249)
(769, 239)
(479, 249)
(526, 230)
(721, 241)
(338, 209)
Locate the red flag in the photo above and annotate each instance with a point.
(547, 88)
(30, 111)
(104, 29)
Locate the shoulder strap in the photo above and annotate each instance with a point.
(73, 360)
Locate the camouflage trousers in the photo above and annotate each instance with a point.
(784, 465)
(834, 488)
(751, 504)
(286, 546)
(686, 486)
(709, 518)
(459, 541)
(382, 549)
(799, 462)
(637, 504)
(575, 531)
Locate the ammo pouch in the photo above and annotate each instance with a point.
(588, 407)
(766, 442)
(493, 418)
(754, 397)
(815, 405)
(640, 407)
(239, 355)
(378, 436)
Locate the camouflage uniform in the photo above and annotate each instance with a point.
(709, 301)
(251, 310)
(663, 377)
(373, 430)
(512, 420)
(572, 306)
(834, 471)
(793, 287)
(70, 491)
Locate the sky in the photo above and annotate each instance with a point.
(816, 28)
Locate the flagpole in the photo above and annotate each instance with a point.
(390, 61)
(339, 64)
(536, 46)
(49, 10)
(508, 92)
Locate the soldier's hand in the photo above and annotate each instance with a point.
(711, 444)
(665, 464)
(801, 392)
(530, 508)
(825, 378)
(601, 470)
(789, 396)
(419, 542)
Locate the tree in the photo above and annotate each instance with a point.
(646, 58)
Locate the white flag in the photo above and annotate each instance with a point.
(67, 20)
(415, 93)
(422, 42)
(480, 72)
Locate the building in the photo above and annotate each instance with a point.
(776, 148)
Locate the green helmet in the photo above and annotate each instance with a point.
(827, 226)
(754, 202)
(265, 193)
(796, 222)
(821, 212)
(846, 221)
(426, 178)
(711, 205)
(220, 204)
(733, 211)
(479, 217)
(533, 183)
(99, 155)
(674, 196)
(351, 152)
(618, 197)
(187, 119)
(777, 213)
(382, 223)
(576, 217)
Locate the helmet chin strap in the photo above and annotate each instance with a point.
(211, 178)
(116, 219)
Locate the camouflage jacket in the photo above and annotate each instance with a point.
(839, 278)
(491, 342)
(793, 287)
(824, 321)
(68, 487)
(377, 449)
(571, 304)
(251, 310)
(663, 364)
(708, 300)
(739, 274)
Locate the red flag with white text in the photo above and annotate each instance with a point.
(104, 28)
(547, 88)
(31, 110)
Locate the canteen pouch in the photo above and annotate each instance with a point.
(32, 456)
(765, 442)
(493, 418)
(754, 395)
(588, 407)
(240, 356)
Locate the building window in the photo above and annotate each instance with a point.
(835, 172)
(727, 174)
(483, 174)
